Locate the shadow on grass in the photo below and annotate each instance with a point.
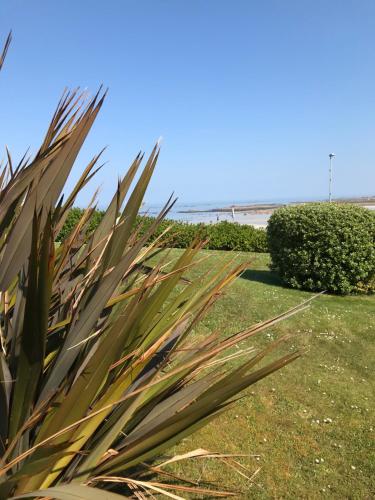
(262, 276)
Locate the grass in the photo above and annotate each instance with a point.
(282, 418)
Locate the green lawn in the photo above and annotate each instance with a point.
(281, 419)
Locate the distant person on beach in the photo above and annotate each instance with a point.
(233, 213)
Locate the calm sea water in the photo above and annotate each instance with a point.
(178, 212)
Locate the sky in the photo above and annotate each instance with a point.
(249, 97)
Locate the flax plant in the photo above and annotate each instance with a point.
(100, 373)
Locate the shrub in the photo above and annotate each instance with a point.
(221, 236)
(73, 217)
(233, 236)
(323, 246)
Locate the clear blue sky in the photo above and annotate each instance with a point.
(249, 96)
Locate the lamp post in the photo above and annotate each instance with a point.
(331, 157)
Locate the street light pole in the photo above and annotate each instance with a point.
(331, 157)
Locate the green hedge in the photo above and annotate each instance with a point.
(222, 236)
(324, 246)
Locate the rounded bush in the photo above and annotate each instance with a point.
(324, 246)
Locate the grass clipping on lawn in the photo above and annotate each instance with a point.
(100, 371)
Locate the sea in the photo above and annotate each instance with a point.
(204, 212)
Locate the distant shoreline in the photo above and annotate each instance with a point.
(269, 208)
